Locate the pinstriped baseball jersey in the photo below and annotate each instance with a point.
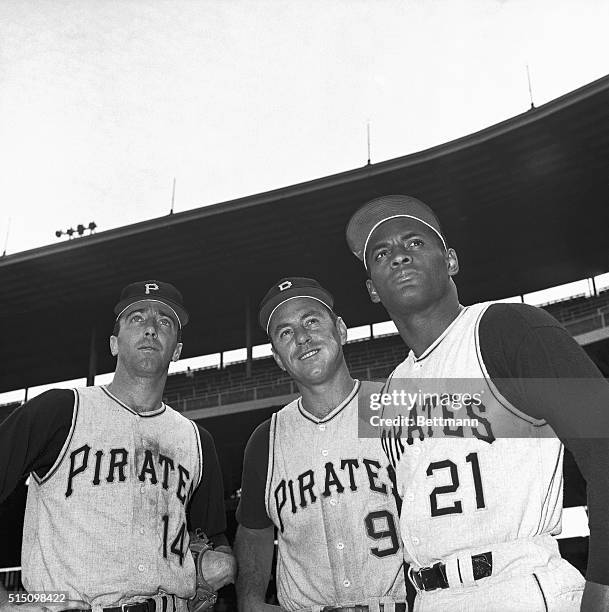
(496, 480)
(329, 494)
(108, 521)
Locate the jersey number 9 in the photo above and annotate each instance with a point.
(380, 525)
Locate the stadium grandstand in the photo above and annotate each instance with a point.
(523, 202)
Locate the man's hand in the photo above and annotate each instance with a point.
(219, 567)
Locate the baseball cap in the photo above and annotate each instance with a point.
(367, 218)
(290, 288)
(153, 291)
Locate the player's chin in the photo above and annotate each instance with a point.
(408, 296)
(312, 372)
(153, 366)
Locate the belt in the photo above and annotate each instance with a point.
(399, 607)
(434, 577)
(148, 605)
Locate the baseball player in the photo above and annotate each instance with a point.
(482, 493)
(306, 473)
(112, 472)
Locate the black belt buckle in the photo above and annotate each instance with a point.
(148, 605)
(430, 578)
(434, 577)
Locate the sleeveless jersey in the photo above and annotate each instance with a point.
(107, 523)
(491, 476)
(329, 494)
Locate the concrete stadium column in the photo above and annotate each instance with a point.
(92, 358)
(248, 338)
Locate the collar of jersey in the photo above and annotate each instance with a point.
(337, 410)
(438, 340)
(140, 414)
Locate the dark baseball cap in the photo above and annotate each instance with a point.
(153, 291)
(365, 220)
(290, 288)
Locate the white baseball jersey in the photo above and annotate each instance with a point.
(330, 496)
(492, 481)
(107, 524)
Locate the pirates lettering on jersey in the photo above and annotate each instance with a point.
(295, 494)
(432, 418)
(112, 465)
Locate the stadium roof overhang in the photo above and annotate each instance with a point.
(524, 202)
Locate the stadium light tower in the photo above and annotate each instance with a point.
(80, 230)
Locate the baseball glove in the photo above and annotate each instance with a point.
(205, 597)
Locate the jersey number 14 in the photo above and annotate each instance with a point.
(177, 546)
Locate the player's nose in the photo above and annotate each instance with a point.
(150, 328)
(400, 256)
(302, 335)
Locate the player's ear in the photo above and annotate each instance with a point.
(277, 358)
(114, 345)
(374, 296)
(342, 330)
(452, 262)
(177, 352)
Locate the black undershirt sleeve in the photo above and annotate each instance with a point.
(206, 510)
(32, 437)
(251, 511)
(520, 342)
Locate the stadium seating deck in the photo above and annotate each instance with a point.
(367, 359)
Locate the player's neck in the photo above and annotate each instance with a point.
(320, 400)
(140, 394)
(419, 330)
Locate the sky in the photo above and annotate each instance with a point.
(103, 103)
